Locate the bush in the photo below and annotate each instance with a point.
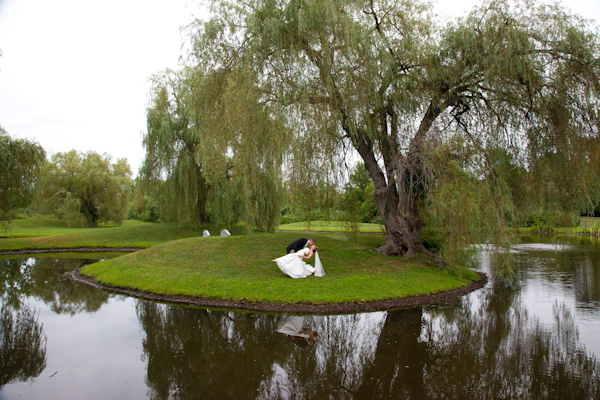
(289, 219)
(542, 218)
(144, 208)
(152, 210)
(431, 242)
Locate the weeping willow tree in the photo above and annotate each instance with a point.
(214, 147)
(85, 188)
(20, 161)
(426, 105)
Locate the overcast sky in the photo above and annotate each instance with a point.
(74, 73)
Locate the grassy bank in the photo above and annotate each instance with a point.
(239, 267)
(587, 226)
(49, 233)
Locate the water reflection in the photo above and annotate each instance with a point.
(192, 353)
(490, 344)
(535, 339)
(22, 339)
(49, 280)
(296, 328)
(334, 366)
(22, 344)
(569, 267)
(493, 347)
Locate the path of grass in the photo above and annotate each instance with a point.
(239, 267)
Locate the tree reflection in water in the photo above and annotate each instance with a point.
(497, 350)
(193, 353)
(482, 346)
(49, 280)
(22, 340)
(22, 345)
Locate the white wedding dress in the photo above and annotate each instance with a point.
(293, 265)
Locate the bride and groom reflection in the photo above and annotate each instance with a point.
(300, 329)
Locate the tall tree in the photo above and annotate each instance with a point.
(20, 160)
(384, 78)
(85, 189)
(215, 147)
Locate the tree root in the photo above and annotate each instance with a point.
(434, 257)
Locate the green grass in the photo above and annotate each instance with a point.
(48, 233)
(39, 226)
(329, 226)
(178, 261)
(239, 267)
(589, 226)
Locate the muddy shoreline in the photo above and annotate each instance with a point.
(299, 308)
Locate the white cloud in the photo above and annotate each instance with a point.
(74, 74)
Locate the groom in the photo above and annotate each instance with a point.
(299, 245)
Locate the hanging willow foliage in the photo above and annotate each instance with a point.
(214, 148)
(460, 127)
(20, 161)
(85, 188)
(456, 124)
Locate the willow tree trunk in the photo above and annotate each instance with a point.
(397, 191)
(201, 202)
(402, 224)
(400, 216)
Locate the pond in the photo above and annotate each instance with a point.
(537, 338)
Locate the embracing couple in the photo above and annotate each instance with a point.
(293, 264)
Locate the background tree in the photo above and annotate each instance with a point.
(20, 160)
(214, 148)
(384, 78)
(143, 206)
(360, 190)
(85, 189)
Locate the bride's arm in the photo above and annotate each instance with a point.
(310, 253)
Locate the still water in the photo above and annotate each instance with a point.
(537, 338)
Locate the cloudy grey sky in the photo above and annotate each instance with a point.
(74, 73)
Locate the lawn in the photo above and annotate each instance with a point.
(50, 233)
(329, 226)
(239, 267)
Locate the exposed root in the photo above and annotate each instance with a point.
(434, 257)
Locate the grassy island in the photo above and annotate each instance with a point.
(178, 262)
(239, 268)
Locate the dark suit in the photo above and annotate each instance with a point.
(297, 245)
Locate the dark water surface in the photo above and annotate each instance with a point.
(538, 338)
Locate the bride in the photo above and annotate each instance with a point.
(293, 264)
